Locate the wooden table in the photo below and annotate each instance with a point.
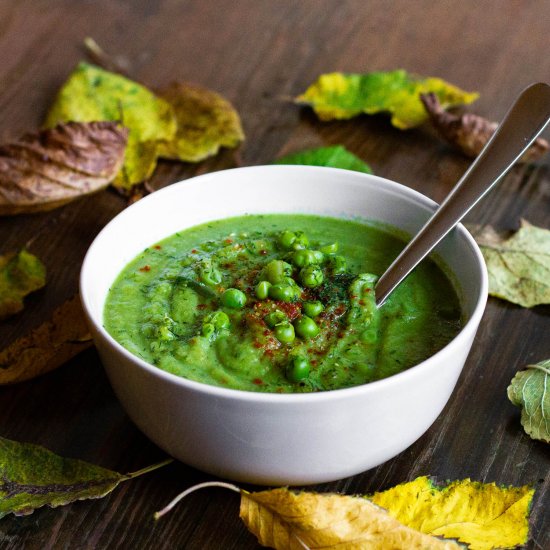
(257, 52)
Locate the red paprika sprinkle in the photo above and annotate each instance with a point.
(157, 247)
(145, 268)
(194, 251)
(257, 381)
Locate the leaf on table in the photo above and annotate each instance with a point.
(91, 93)
(481, 515)
(48, 346)
(289, 520)
(52, 167)
(469, 132)
(32, 476)
(343, 96)
(518, 266)
(335, 156)
(283, 519)
(529, 391)
(206, 121)
(20, 274)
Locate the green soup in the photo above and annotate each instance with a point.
(279, 303)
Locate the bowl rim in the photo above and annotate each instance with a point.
(467, 331)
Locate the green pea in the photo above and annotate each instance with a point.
(276, 270)
(306, 327)
(319, 256)
(302, 258)
(301, 241)
(297, 369)
(274, 318)
(289, 281)
(286, 239)
(262, 290)
(312, 309)
(208, 330)
(338, 265)
(233, 298)
(211, 276)
(219, 319)
(295, 288)
(311, 276)
(329, 248)
(284, 332)
(284, 293)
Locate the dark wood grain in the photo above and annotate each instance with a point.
(257, 53)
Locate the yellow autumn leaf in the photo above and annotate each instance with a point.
(287, 520)
(283, 519)
(343, 96)
(480, 514)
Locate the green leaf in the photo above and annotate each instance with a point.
(519, 267)
(530, 390)
(336, 156)
(343, 96)
(32, 477)
(91, 93)
(20, 274)
(206, 121)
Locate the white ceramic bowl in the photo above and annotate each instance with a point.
(280, 439)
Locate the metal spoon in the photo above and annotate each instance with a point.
(525, 120)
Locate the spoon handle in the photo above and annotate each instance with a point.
(522, 124)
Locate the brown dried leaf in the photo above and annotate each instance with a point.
(206, 122)
(469, 132)
(44, 170)
(48, 346)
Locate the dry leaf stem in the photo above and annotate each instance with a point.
(192, 489)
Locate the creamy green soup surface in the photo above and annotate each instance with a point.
(279, 303)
